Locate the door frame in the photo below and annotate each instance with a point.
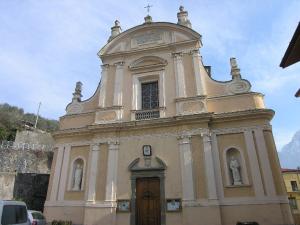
(148, 172)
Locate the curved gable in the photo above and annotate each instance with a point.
(149, 35)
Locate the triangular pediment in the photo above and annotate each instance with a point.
(148, 36)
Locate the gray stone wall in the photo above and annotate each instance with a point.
(7, 181)
(25, 161)
(17, 161)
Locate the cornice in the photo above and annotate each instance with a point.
(243, 115)
(158, 48)
(210, 118)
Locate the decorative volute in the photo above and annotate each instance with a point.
(77, 94)
(183, 18)
(235, 70)
(115, 30)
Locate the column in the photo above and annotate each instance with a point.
(186, 165)
(103, 85)
(56, 174)
(112, 169)
(200, 85)
(255, 172)
(94, 157)
(179, 75)
(209, 168)
(64, 173)
(264, 162)
(118, 91)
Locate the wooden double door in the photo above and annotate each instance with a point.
(148, 208)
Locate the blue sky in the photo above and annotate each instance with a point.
(46, 46)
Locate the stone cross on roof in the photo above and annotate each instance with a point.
(148, 8)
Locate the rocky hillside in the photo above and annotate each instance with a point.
(290, 153)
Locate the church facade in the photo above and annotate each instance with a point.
(161, 142)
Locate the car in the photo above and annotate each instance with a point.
(36, 217)
(13, 213)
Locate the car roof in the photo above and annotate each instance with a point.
(11, 202)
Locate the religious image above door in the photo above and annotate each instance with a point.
(148, 208)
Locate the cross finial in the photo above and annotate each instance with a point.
(148, 8)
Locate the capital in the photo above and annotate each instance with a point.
(184, 139)
(177, 55)
(119, 64)
(195, 52)
(105, 66)
(95, 147)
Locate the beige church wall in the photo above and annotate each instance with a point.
(83, 152)
(123, 218)
(94, 216)
(101, 173)
(169, 83)
(91, 103)
(174, 218)
(199, 167)
(232, 103)
(207, 215)
(268, 214)
(132, 148)
(75, 214)
(190, 81)
(274, 163)
(236, 140)
(286, 213)
(213, 87)
(76, 121)
(52, 173)
(87, 137)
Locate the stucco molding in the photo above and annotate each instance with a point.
(155, 63)
(241, 129)
(96, 204)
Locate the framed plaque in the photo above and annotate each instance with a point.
(147, 151)
(123, 205)
(174, 205)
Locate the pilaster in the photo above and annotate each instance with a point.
(111, 179)
(94, 158)
(186, 165)
(264, 162)
(179, 75)
(103, 85)
(254, 165)
(209, 168)
(64, 173)
(200, 85)
(118, 89)
(56, 174)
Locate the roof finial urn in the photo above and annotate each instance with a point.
(235, 70)
(77, 94)
(183, 19)
(115, 30)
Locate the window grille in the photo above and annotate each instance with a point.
(150, 96)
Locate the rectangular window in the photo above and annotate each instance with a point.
(294, 185)
(150, 96)
(293, 203)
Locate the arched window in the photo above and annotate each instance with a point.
(76, 178)
(235, 167)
